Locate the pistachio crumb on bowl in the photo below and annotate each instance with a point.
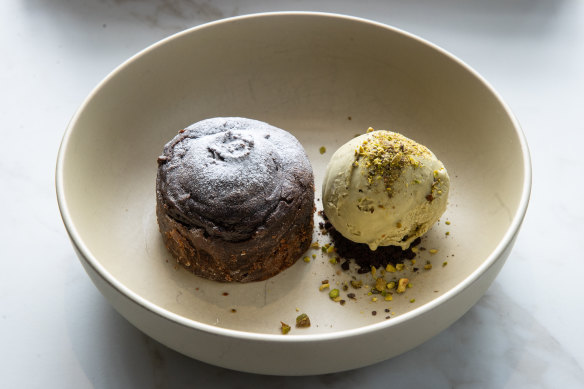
(302, 321)
(285, 328)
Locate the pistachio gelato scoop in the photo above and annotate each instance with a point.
(384, 189)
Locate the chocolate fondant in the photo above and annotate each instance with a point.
(235, 199)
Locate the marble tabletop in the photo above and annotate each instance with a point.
(57, 331)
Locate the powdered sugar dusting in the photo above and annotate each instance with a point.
(228, 175)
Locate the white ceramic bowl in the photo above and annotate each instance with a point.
(323, 77)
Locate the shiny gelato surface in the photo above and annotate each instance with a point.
(383, 189)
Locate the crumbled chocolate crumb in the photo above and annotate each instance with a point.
(363, 256)
(225, 294)
(351, 296)
(386, 309)
(374, 313)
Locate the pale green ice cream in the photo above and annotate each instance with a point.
(384, 189)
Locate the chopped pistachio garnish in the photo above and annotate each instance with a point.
(409, 285)
(447, 222)
(373, 270)
(444, 263)
(324, 286)
(356, 284)
(337, 299)
(414, 249)
(447, 233)
(391, 285)
(399, 266)
(315, 245)
(330, 249)
(412, 300)
(413, 261)
(402, 285)
(390, 268)
(313, 256)
(432, 251)
(380, 284)
(374, 299)
(306, 259)
(370, 129)
(302, 320)
(285, 328)
(428, 266)
(334, 293)
(322, 149)
(386, 154)
(388, 297)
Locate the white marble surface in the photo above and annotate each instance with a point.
(57, 331)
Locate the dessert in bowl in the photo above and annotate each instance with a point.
(383, 189)
(235, 199)
(323, 78)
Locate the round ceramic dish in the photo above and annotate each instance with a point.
(324, 78)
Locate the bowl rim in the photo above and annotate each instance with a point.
(92, 261)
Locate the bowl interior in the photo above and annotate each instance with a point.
(324, 79)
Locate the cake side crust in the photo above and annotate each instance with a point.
(269, 252)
